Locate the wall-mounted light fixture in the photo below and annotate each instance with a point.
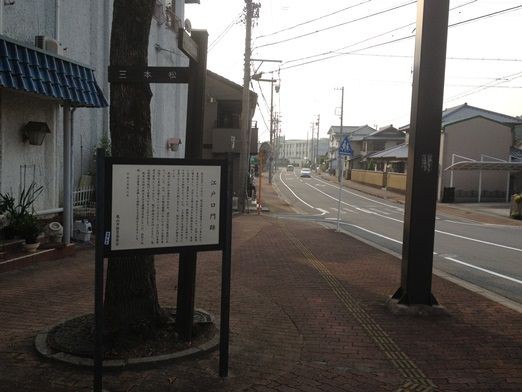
(173, 143)
(34, 132)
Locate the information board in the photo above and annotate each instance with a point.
(160, 205)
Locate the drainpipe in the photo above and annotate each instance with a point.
(1, 16)
(508, 180)
(67, 171)
(480, 181)
(56, 113)
(57, 19)
(451, 172)
(106, 60)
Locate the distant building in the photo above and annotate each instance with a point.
(296, 151)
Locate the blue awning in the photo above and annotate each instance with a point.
(34, 71)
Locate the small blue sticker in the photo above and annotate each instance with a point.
(107, 238)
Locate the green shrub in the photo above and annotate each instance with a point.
(29, 228)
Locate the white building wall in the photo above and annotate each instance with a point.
(84, 30)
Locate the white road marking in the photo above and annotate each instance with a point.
(479, 241)
(483, 224)
(371, 232)
(292, 192)
(400, 221)
(321, 210)
(446, 258)
(484, 270)
(355, 207)
(379, 211)
(363, 197)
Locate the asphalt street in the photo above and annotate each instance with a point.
(486, 255)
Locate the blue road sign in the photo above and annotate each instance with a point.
(346, 148)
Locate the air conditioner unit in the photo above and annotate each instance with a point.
(48, 44)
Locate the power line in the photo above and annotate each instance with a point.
(337, 25)
(312, 20)
(496, 59)
(257, 103)
(263, 118)
(398, 39)
(373, 37)
(224, 32)
(501, 80)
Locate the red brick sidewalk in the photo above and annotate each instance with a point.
(307, 314)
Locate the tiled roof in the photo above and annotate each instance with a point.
(34, 71)
(396, 152)
(465, 111)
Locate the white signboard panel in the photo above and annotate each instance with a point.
(163, 206)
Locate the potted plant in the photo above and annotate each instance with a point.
(14, 211)
(29, 229)
(7, 207)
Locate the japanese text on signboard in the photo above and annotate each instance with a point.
(155, 206)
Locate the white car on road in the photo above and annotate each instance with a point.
(306, 172)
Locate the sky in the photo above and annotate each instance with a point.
(483, 67)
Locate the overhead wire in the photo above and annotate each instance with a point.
(373, 37)
(225, 31)
(312, 20)
(337, 25)
(337, 54)
(495, 83)
(259, 106)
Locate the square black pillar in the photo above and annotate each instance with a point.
(423, 153)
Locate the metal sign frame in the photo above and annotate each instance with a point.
(103, 185)
(110, 162)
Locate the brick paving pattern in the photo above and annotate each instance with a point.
(307, 314)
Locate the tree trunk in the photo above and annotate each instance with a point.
(131, 299)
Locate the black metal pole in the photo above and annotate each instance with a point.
(423, 153)
(194, 150)
(225, 278)
(98, 270)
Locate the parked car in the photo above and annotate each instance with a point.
(290, 168)
(306, 172)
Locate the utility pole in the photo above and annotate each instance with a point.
(317, 147)
(271, 158)
(312, 149)
(257, 76)
(245, 110)
(340, 164)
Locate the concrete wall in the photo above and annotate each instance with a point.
(470, 139)
(367, 177)
(396, 181)
(83, 28)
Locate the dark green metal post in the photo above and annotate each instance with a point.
(423, 153)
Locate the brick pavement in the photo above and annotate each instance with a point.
(307, 314)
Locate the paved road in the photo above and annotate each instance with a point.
(489, 256)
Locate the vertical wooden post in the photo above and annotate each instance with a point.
(98, 270)
(193, 150)
(226, 271)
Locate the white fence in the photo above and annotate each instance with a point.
(84, 197)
